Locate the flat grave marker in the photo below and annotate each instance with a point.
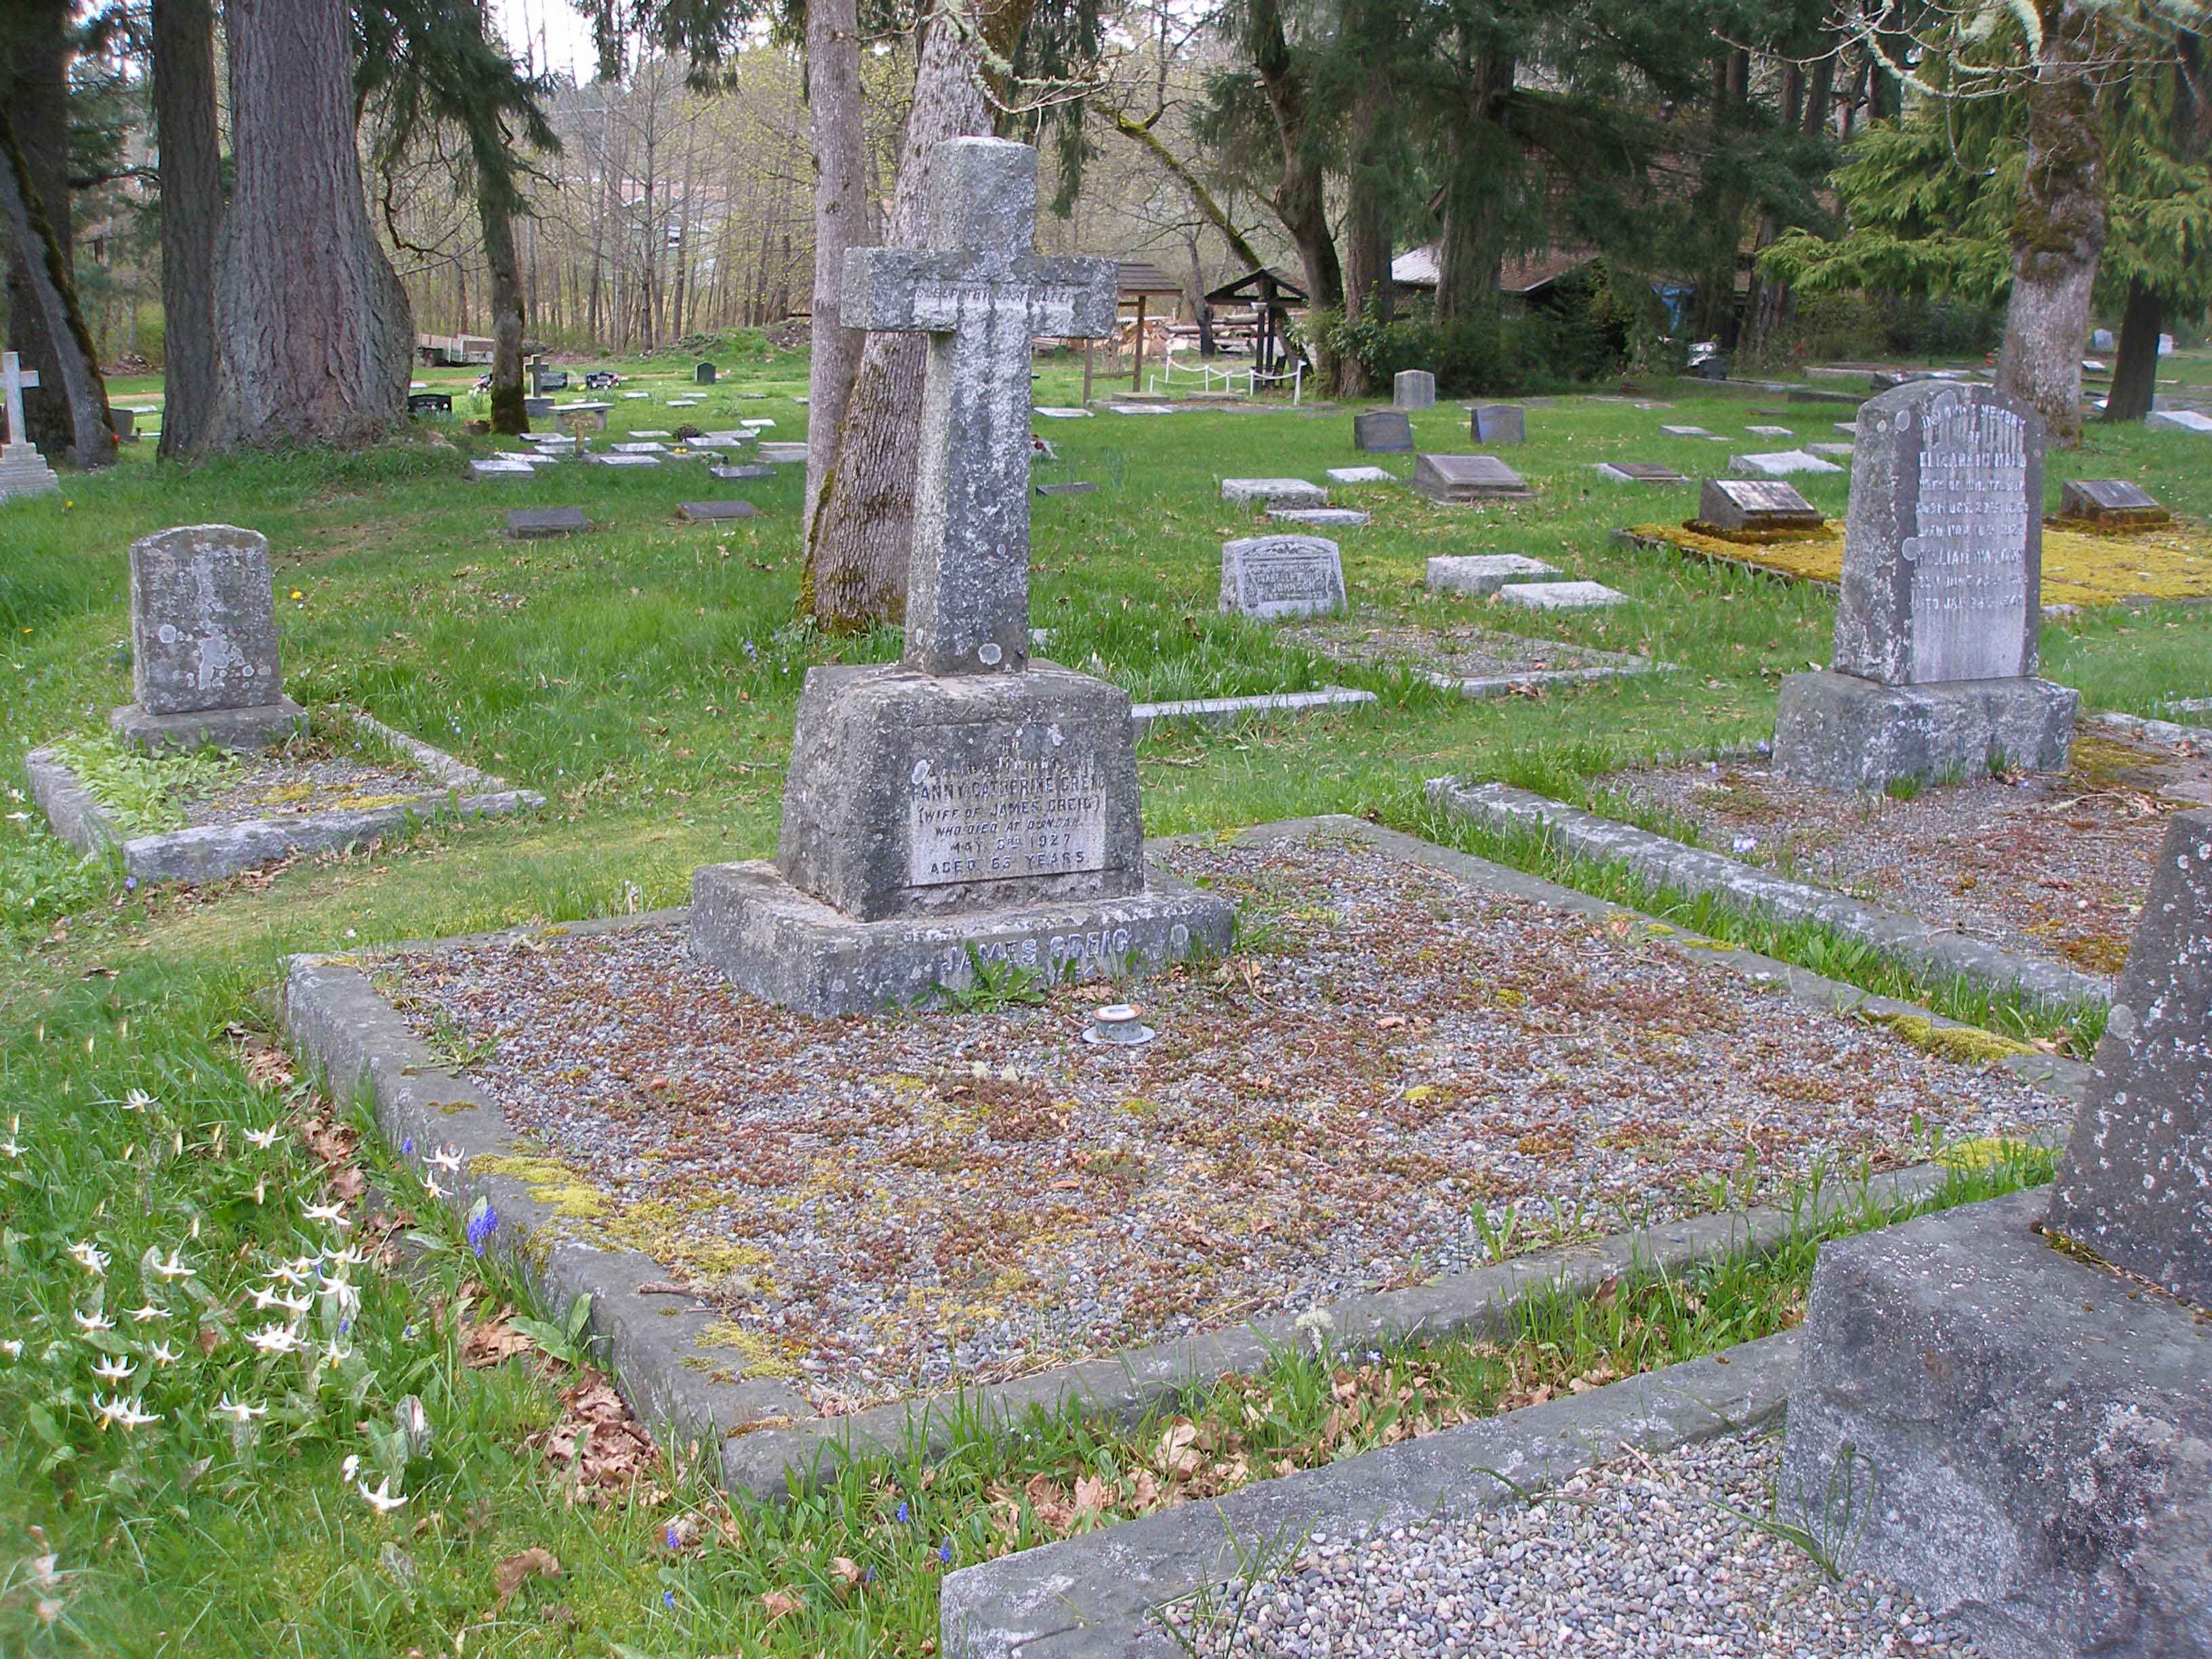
(740, 474)
(1482, 574)
(1278, 577)
(1756, 506)
(716, 512)
(1345, 518)
(1071, 487)
(1457, 480)
(1771, 431)
(1639, 472)
(1561, 596)
(1781, 463)
(501, 466)
(2178, 420)
(533, 523)
(2112, 503)
(1361, 475)
(784, 454)
(1274, 492)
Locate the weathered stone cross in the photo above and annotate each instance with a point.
(16, 380)
(981, 292)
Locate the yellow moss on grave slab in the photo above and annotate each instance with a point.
(1969, 1044)
(2168, 561)
(759, 1355)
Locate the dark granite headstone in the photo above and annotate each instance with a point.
(2110, 503)
(1456, 480)
(714, 512)
(704, 375)
(1498, 423)
(429, 402)
(1382, 431)
(204, 663)
(531, 523)
(1275, 577)
(1755, 505)
(2135, 1185)
(537, 409)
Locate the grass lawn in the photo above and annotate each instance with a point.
(643, 677)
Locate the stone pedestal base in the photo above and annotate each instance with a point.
(1843, 732)
(262, 727)
(2029, 1438)
(788, 948)
(24, 472)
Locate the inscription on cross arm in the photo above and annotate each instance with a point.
(981, 294)
(17, 380)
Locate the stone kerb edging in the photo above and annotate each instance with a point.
(1665, 861)
(2142, 726)
(685, 1388)
(213, 851)
(1097, 1596)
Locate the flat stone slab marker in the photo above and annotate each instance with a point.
(717, 511)
(531, 523)
(1755, 505)
(1560, 596)
(1781, 463)
(1639, 472)
(1274, 492)
(1459, 480)
(1482, 574)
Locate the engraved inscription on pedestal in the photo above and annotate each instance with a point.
(1019, 818)
(1969, 589)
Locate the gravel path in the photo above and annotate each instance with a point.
(1391, 1061)
(280, 787)
(2052, 865)
(1631, 1559)
(1464, 653)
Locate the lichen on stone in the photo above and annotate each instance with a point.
(1967, 1044)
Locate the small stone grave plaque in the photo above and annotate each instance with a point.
(1781, 463)
(1560, 596)
(1849, 428)
(2178, 420)
(1755, 505)
(714, 512)
(1836, 452)
(1382, 431)
(501, 467)
(533, 523)
(1482, 574)
(1342, 517)
(623, 460)
(1274, 492)
(740, 474)
(785, 454)
(644, 433)
(1275, 577)
(537, 409)
(1686, 431)
(756, 427)
(1771, 431)
(2113, 502)
(639, 446)
(2136, 1184)
(1051, 413)
(1069, 488)
(1359, 475)
(1413, 388)
(1456, 480)
(1498, 423)
(1639, 472)
(429, 402)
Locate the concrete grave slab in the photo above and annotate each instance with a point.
(784, 454)
(1686, 431)
(1835, 452)
(1849, 428)
(1482, 574)
(1561, 596)
(716, 512)
(643, 433)
(1050, 413)
(501, 467)
(531, 523)
(1755, 505)
(1771, 431)
(1274, 492)
(740, 474)
(2178, 420)
(638, 447)
(621, 460)
(1639, 472)
(1342, 518)
(2111, 503)
(1230, 711)
(1781, 463)
(1359, 475)
(1073, 488)
(1460, 480)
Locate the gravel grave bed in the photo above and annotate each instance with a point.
(1465, 652)
(276, 785)
(1632, 1557)
(2051, 865)
(1392, 1061)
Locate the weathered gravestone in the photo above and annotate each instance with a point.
(2109, 504)
(1639, 472)
(1073, 487)
(964, 805)
(1781, 463)
(1482, 574)
(2014, 1432)
(437, 404)
(537, 409)
(1499, 424)
(1755, 507)
(203, 644)
(1382, 432)
(2178, 420)
(1357, 475)
(535, 523)
(704, 375)
(1938, 627)
(23, 470)
(1413, 388)
(716, 512)
(740, 474)
(1274, 492)
(1277, 577)
(1456, 480)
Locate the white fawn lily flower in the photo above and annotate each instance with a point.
(124, 1413)
(274, 1339)
(174, 1268)
(261, 1190)
(238, 1412)
(136, 1101)
(92, 1324)
(430, 1186)
(333, 1214)
(350, 1468)
(264, 1138)
(10, 1146)
(90, 1257)
(147, 1312)
(448, 1158)
(113, 1369)
(352, 1256)
(162, 1354)
(291, 1272)
(12, 1348)
(381, 1499)
(335, 1354)
(296, 1305)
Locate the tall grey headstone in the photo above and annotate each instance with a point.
(204, 668)
(2135, 1185)
(23, 470)
(1938, 629)
(1498, 423)
(1413, 388)
(1278, 577)
(2021, 1435)
(964, 804)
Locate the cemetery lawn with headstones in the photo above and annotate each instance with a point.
(643, 675)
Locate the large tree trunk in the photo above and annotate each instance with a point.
(1470, 254)
(192, 214)
(314, 337)
(1301, 200)
(2058, 229)
(71, 371)
(833, 96)
(2135, 372)
(34, 56)
(864, 519)
(508, 414)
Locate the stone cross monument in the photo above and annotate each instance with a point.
(965, 804)
(203, 665)
(23, 470)
(1938, 627)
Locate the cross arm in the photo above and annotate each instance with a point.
(902, 290)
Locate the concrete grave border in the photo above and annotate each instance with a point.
(685, 1389)
(1668, 862)
(1228, 711)
(1097, 1596)
(213, 852)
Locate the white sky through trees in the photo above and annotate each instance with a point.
(551, 34)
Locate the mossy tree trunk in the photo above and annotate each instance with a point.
(508, 414)
(69, 370)
(2134, 371)
(191, 214)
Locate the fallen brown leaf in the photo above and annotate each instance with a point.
(782, 1603)
(509, 1574)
